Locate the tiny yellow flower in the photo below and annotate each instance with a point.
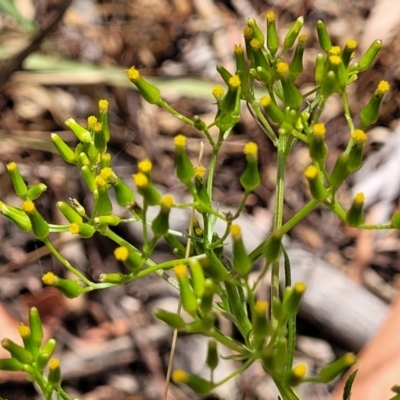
(91, 121)
(199, 171)
(121, 253)
(299, 371)
(335, 60)
(100, 182)
(235, 231)
(107, 173)
(265, 101)
(28, 206)
(180, 270)
(12, 166)
(168, 201)
(359, 136)
(179, 376)
(351, 44)
(24, 330)
(97, 127)
(180, 141)
(299, 287)
(218, 92)
(74, 228)
(248, 32)
(255, 44)
(48, 278)
(103, 105)
(133, 74)
(261, 307)
(270, 16)
(282, 68)
(382, 88)
(54, 363)
(319, 129)
(311, 172)
(250, 148)
(145, 166)
(335, 51)
(140, 179)
(302, 39)
(238, 49)
(359, 199)
(198, 232)
(234, 82)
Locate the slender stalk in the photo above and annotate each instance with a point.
(66, 263)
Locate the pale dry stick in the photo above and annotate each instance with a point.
(179, 308)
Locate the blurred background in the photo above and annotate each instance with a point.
(58, 58)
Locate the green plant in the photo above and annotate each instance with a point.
(216, 284)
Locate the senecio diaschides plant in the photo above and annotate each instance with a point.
(211, 284)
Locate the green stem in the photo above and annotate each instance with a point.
(236, 372)
(347, 111)
(66, 263)
(278, 217)
(227, 341)
(175, 113)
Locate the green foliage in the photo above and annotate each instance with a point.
(217, 284)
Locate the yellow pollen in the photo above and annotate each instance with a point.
(180, 270)
(12, 166)
(218, 92)
(145, 166)
(250, 148)
(335, 60)
(199, 171)
(351, 44)
(74, 228)
(349, 359)
(261, 307)
(28, 206)
(234, 82)
(270, 16)
(248, 32)
(255, 44)
(168, 201)
(235, 231)
(24, 330)
(299, 371)
(299, 287)
(311, 172)
(238, 49)
(359, 136)
(359, 199)
(91, 122)
(382, 88)
(319, 130)
(179, 376)
(54, 363)
(180, 141)
(103, 105)
(335, 51)
(265, 101)
(302, 39)
(140, 179)
(49, 278)
(282, 68)
(100, 182)
(121, 253)
(107, 173)
(133, 74)
(98, 127)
